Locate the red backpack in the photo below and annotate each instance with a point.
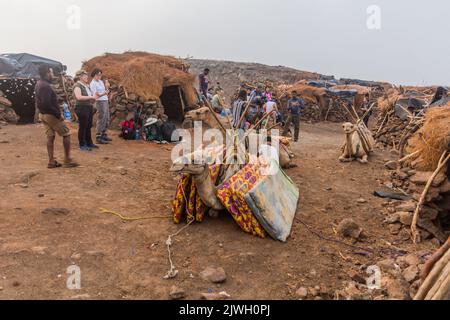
(128, 130)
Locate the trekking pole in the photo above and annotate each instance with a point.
(245, 111)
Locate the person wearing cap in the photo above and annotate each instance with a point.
(204, 82)
(217, 101)
(101, 88)
(84, 101)
(51, 117)
(295, 106)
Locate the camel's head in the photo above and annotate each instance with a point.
(194, 169)
(348, 127)
(199, 114)
(191, 163)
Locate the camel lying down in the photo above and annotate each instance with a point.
(358, 144)
(206, 188)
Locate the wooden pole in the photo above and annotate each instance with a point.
(367, 112)
(214, 115)
(434, 275)
(351, 115)
(382, 123)
(435, 258)
(354, 110)
(262, 119)
(329, 108)
(442, 161)
(245, 111)
(409, 156)
(181, 99)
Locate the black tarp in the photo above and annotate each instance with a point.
(408, 106)
(342, 93)
(321, 84)
(441, 92)
(25, 65)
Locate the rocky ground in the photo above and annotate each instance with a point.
(51, 220)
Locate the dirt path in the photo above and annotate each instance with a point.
(128, 260)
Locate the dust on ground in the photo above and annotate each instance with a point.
(127, 260)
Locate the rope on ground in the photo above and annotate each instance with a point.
(320, 236)
(106, 211)
(172, 273)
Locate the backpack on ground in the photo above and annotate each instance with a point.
(128, 130)
(167, 129)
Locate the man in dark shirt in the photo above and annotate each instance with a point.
(204, 82)
(295, 106)
(51, 117)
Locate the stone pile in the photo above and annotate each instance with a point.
(390, 130)
(396, 278)
(124, 105)
(434, 215)
(7, 114)
(63, 87)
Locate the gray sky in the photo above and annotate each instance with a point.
(326, 36)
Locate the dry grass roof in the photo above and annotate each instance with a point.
(432, 139)
(387, 102)
(360, 89)
(310, 94)
(306, 90)
(144, 74)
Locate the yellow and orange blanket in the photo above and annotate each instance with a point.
(231, 193)
(187, 202)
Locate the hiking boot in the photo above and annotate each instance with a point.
(106, 138)
(92, 146)
(85, 148)
(100, 140)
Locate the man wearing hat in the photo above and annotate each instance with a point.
(51, 117)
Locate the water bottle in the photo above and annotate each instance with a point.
(67, 115)
(137, 135)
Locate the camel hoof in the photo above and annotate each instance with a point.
(213, 213)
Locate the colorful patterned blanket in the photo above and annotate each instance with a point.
(187, 202)
(232, 195)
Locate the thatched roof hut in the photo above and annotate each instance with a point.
(308, 93)
(151, 77)
(432, 139)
